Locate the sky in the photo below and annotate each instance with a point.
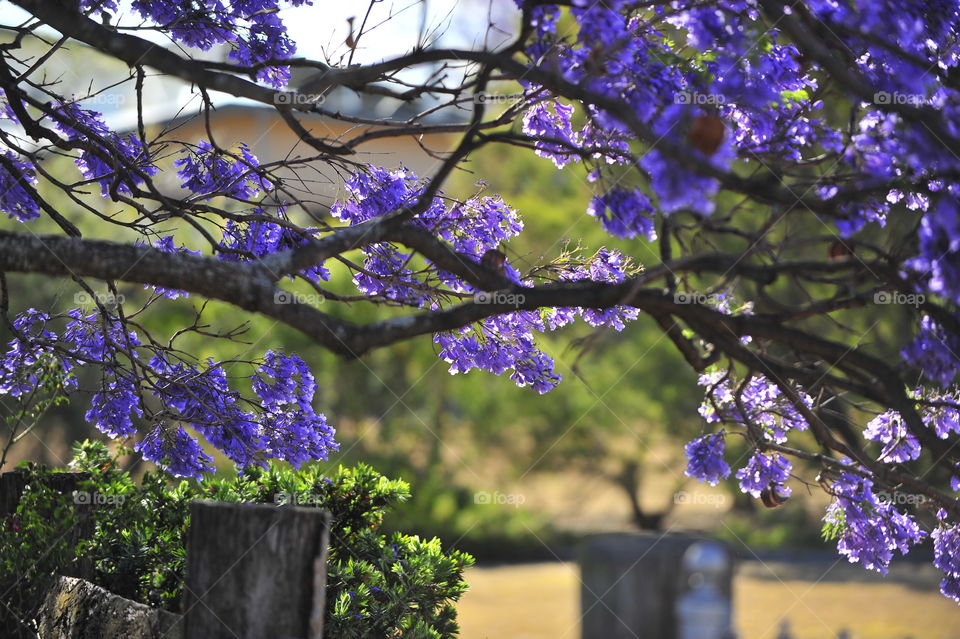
(320, 30)
(393, 26)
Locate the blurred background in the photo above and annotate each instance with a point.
(516, 478)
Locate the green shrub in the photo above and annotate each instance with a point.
(131, 541)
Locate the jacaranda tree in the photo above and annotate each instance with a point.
(782, 170)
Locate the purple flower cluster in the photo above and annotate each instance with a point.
(112, 406)
(284, 427)
(251, 27)
(171, 447)
(507, 342)
(33, 344)
(630, 213)
(869, 529)
(500, 344)
(95, 339)
(935, 351)
(899, 444)
(15, 199)
(201, 397)
(765, 405)
(209, 172)
(941, 416)
(553, 131)
(259, 238)
(705, 460)
(291, 429)
(946, 557)
(115, 161)
(938, 264)
(763, 472)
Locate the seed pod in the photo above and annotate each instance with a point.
(706, 133)
(839, 249)
(350, 41)
(494, 260)
(771, 497)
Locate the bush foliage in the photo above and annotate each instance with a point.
(130, 537)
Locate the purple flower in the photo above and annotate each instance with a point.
(899, 444)
(250, 240)
(869, 530)
(553, 131)
(252, 28)
(946, 557)
(176, 451)
(935, 351)
(202, 398)
(938, 264)
(26, 353)
(705, 459)
(166, 244)
(766, 406)
(112, 406)
(292, 430)
(16, 199)
(208, 172)
(376, 192)
(943, 419)
(630, 213)
(116, 162)
(500, 344)
(765, 471)
(97, 339)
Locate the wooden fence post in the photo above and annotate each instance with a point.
(12, 484)
(255, 571)
(630, 584)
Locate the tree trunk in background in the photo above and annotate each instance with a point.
(629, 480)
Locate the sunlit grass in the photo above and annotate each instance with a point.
(542, 601)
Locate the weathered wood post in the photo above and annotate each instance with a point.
(631, 582)
(77, 609)
(13, 483)
(255, 571)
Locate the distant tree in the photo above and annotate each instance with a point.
(781, 168)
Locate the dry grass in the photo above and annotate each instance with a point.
(542, 601)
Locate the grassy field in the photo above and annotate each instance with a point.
(541, 601)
